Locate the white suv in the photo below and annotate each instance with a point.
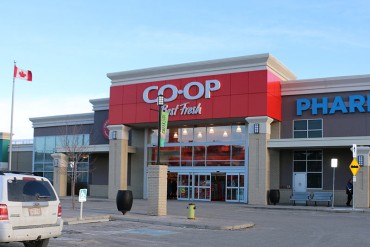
(30, 210)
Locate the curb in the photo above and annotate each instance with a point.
(84, 220)
(198, 223)
(308, 209)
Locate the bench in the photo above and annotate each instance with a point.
(322, 197)
(300, 196)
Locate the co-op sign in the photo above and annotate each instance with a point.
(349, 104)
(203, 91)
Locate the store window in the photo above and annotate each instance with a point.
(168, 156)
(44, 146)
(311, 163)
(200, 146)
(218, 155)
(309, 128)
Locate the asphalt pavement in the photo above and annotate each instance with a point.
(208, 215)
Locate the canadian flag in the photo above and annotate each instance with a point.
(23, 74)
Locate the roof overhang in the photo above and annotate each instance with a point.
(104, 148)
(326, 142)
(211, 67)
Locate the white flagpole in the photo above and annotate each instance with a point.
(11, 127)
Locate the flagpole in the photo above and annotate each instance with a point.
(11, 127)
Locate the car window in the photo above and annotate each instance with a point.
(30, 190)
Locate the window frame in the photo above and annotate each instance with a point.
(307, 130)
(307, 161)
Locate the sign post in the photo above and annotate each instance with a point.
(82, 198)
(334, 164)
(354, 167)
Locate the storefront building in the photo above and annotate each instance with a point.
(238, 128)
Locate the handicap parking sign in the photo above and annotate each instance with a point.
(82, 195)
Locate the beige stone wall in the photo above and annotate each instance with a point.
(258, 160)
(118, 157)
(157, 190)
(60, 173)
(361, 196)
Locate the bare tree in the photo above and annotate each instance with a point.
(72, 144)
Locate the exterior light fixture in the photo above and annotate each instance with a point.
(160, 102)
(55, 162)
(175, 135)
(114, 135)
(360, 160)
(200, 134)
(225, 134)
(184, 132)
(238, 129)
(211, 130)
(256, 128)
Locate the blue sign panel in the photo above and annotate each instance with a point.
(352, 104)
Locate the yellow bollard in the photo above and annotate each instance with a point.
(191, 211)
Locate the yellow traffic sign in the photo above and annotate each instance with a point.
(354, 166)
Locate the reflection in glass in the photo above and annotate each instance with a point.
(199, 155)
(201, 134)
(218, 155)
(238, 133)
(168, 155)
(221, 134)
(198, 151)
(172, 135)
(186, 156)
(186, 135)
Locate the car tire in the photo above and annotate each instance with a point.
(37, 243)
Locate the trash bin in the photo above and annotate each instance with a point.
(191, 211)
(274, 196)
(124, 200)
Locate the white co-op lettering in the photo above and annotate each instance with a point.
(203, 90)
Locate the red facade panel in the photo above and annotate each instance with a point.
(239, 105)
(239, 83)
(221, 107)
(143, 113)
(258, 81)
(115, 114)
(116, 95)
(206, 104)
(129, 113)
(129, 94)
(257, 104)
(255, 93)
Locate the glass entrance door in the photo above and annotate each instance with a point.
(235, 187)
(184, 183)
(202, 187)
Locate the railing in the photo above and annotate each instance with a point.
(22, 141)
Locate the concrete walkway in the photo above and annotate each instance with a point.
(208, 215)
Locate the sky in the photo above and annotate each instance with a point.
(71, 45)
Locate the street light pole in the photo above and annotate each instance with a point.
(334, 164)
(160, 102)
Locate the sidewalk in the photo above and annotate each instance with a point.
(208, 215)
